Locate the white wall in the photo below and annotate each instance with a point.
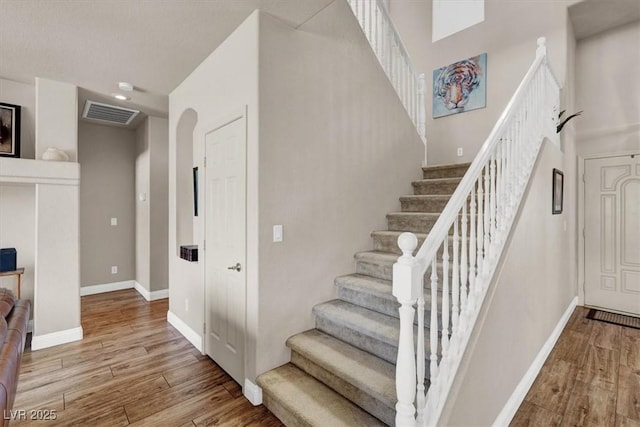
(143, 209)
(56, 117)
(24, 95)
(608, 92)
(533, 290)
(107, 160)
(508, 35)
(17, 230)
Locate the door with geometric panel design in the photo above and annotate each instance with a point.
(612, 233)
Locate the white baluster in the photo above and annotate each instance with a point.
(492, 205)
(498, 189)
(433, 326)
(480, 237)
(455, 281)
(407, 287)
(445, 296)
(472, 245)
(464, 266)
(487, 212)
(420, 357)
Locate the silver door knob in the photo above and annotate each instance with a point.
(236, 267)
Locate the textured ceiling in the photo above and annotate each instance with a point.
(152, 44)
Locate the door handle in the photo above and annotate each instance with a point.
(236, 267)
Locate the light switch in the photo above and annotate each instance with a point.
(114, 221)
(277, 233)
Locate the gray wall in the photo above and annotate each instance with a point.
(24, 95)
(159, 223)
(609, 97)
(533, 290)
(337, 149)
(17, 230)
(17, 202)
(152, 222)
(330, 150)
(107, 189)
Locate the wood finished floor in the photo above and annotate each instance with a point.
(131, 368)
(591, 378)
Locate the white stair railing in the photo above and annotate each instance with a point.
(393, 57)
(478, 219)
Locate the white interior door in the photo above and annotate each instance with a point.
(225, 252)
(612, 233)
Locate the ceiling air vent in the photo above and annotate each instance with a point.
(108, 113)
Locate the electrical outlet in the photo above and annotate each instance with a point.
(114, 269)
(460, 152)
(186, 304)
(114, 221)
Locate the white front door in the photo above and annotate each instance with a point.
(225, 251)
(612, 233)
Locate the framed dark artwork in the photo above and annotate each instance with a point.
(558, 190)
(9, 130)
(195, 191)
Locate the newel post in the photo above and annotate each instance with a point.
(542, 47)
(407, 286)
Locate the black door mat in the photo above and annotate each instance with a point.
(614, 318)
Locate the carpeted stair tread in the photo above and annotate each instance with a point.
(379, 265)
(415, 222)
(299, 399)
(376, 264)
(441, 186)
(370, 381)
(365, 329)
(376, 294)
(445, 170)
(387, 241)
(433, 203)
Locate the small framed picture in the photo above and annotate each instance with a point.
(195, 191)
(558, 190)
(9, 130)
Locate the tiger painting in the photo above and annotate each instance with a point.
(459, 87)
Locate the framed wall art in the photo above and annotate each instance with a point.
(460, 87)
(195, 191)
(558, 190)
(9, 130)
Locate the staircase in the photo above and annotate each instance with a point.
(343, 372)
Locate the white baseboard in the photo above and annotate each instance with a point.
(252, 392)
(150, 296)
(518, 395)
(107, 287)
(39, 342)
(192, 336)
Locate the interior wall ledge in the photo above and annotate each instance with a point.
(29, 171)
